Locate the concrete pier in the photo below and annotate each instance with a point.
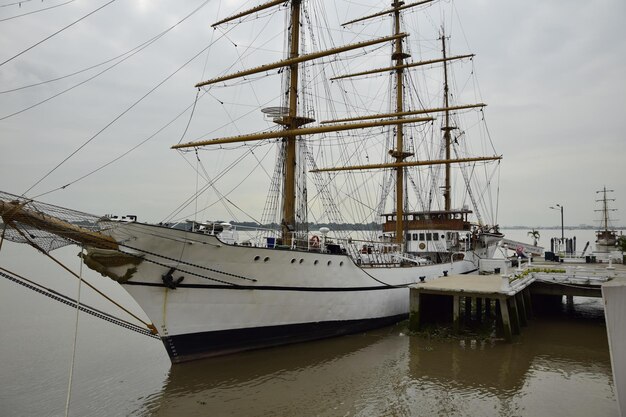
(467, 298)
(614, 295)
(467, 293)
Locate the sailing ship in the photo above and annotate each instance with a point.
(606, 236)
(208, 292)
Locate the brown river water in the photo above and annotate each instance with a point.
(559, 366)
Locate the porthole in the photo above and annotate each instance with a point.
(341, 263)
(267, 258)
(293, 260)
(328, 263)
(315, 262)
(301, 260)
(256, 258)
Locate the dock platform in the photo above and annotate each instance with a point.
(507, 297)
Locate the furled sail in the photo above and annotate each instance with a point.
(50, 227)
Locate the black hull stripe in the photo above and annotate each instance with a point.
(187, 347)
(268, 287)
(275, 288)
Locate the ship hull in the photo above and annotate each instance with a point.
(208, 298)
(606, 238)
(192, 346)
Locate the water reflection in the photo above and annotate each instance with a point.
(323, 378)
(559, 366)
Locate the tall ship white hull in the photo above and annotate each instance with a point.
(234, 297)
(607, 236)
(207, 292)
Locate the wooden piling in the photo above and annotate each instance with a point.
(521, 309)
(513, 315)
(527, 303)
(455, 313)
(506, 321)
(414, 309)
(468, 309)
(460, 299)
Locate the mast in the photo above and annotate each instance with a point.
(292, 124)
(399, 153)
(446, 128)
(605, 207)
(289, 187)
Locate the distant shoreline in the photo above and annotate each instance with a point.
(375, 226)
(582, 227)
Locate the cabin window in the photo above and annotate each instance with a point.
(414, 236)
(408, 237)
(435, 236)
(421, 236)
(429, 237)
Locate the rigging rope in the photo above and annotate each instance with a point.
(131, 51)
(57, 32)
(36, 11)
(101, 167)
(39, 248)
(69, 384)
(15, 3)
(33, 286)
(122, 114)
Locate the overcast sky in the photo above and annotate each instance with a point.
(552, 74)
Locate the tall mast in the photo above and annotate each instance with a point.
(605, 207)
(606, 212)
(399, 153)
(292, 123)
(289, 186)
(446, 128)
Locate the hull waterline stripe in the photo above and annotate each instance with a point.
(276, 288)
(269, 287)
(194, 346)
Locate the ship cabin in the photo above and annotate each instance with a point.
(431, 231)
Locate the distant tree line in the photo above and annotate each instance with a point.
(313, 226)
(376, 226)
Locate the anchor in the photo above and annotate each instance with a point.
(169, 281)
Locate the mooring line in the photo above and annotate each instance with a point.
(31, 285)
(150, 326)
(73, 361)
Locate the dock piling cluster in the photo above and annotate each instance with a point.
(464, 300)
